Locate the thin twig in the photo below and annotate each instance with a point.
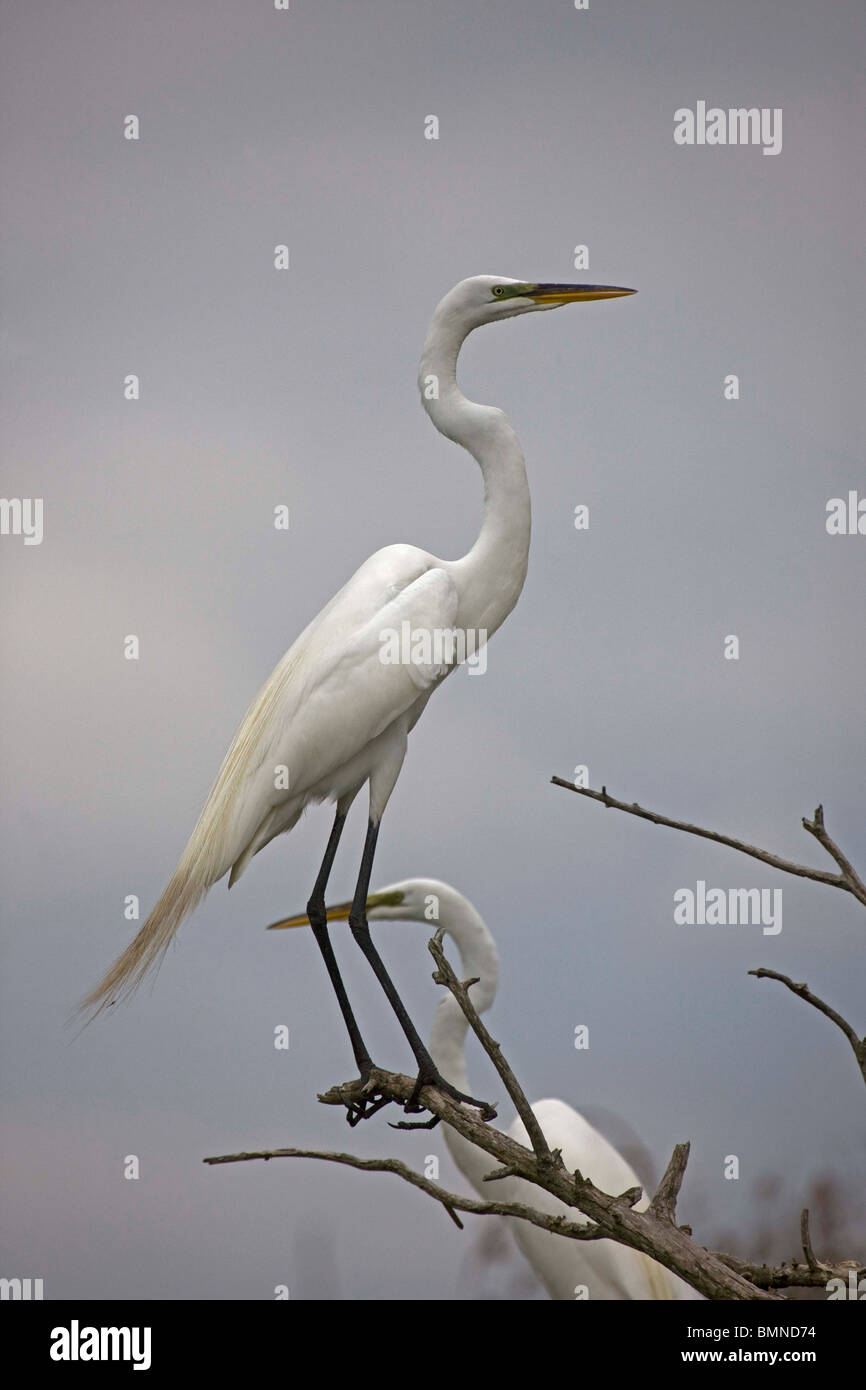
(764, 1279)
(847, 879)
(806, 1239)
(858, 1045)
(497, 1174)
(452, 1202)
(816, 828)
(795, 1275)
(445, 975)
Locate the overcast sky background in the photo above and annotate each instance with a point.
(259, 388)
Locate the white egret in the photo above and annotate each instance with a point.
(607, 1270)
(334, 714)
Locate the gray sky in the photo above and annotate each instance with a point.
(257, 387)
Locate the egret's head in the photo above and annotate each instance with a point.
(486, 298)
(413, 900)
(435, 905)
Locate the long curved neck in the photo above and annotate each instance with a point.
(490, 577)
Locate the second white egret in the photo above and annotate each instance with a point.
(604, 1269)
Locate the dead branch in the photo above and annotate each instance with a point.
(847, 878)
(664, 1203)
(858, 1045)
(852, 878)
(654, 1231)
(814, 1272)
(794, 1275)
(444, 975)
(611, 1216)
(451, 1201)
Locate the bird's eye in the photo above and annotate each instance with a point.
(498, 290)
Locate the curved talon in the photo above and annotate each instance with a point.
(369, 1101)
(414, 1106)
(365, 1108)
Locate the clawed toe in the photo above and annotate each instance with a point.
(367, 1101)
(433, 1078)
(365, 1109)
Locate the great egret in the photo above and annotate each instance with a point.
(336, 712)
(606, 1270)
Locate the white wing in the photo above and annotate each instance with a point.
(608, 1270)
(322, 709)
(324, 704)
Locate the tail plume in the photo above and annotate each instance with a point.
(185, 890)
(227, 825)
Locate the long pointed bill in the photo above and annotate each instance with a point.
(340, 911)
(573, 294)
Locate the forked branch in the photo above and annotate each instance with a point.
(654, 1232)
(846, 879)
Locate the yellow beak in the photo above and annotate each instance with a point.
(573, 294)
(340, 911)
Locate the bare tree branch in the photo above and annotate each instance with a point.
(451, 1201)
(852, 878)
(664, 1203)
(814, 1272)
(846, 879)
(794, 1275)
(858, 1045)
(654, 1232)
(444, 975)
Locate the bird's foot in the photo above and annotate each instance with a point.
(429, 1076)
(365, 1108)
(369, 1100)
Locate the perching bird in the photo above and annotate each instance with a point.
(605, 1269)
(337, 710)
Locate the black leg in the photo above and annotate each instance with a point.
(427, 1072)
(319, 923)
